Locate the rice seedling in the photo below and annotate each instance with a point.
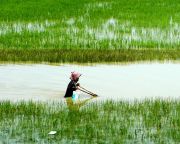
(86, 56)
(150, 121)
(93, 24)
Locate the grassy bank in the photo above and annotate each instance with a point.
(84, 56)
(95, 24)
(104, 122)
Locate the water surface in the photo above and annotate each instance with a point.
(122, 81)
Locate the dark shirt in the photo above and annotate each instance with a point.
(71, 87)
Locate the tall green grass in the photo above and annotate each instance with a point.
(85, 56)
(149, 121)
(95, 24)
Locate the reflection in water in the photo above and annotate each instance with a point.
(74, 106)
(74, 114)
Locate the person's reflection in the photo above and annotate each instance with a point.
(74, 114)
(74, 106)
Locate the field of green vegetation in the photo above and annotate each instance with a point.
(101, 122)
(89, 31)
(58, 25)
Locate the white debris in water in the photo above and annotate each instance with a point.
(114, 32)
(125, 33)
(3, 29)
(19, 27)
(72, 31)
(35, 27)
(169, 35)
(96, 5)
(105, 32)
(105, 35)
(70, 21)
(111, 22)
(52, 132)
(49, 23)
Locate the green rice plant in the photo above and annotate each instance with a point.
(149, 121)
(86, 56)
(95, 24)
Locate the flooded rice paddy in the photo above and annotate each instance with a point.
(137, 81)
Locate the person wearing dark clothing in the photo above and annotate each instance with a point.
(73, 85)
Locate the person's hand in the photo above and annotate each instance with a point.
(78, 84)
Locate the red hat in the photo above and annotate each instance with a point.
(75, 75)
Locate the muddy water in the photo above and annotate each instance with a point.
(123, 82)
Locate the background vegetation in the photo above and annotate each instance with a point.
(99, 24)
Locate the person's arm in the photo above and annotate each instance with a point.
(75, 86)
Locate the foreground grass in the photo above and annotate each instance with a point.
(84, 56)
(102, 122)
(95, 24)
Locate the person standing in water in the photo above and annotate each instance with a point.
(71, 95)
(73, 85)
